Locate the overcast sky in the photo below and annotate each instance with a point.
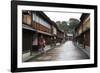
(62, 16)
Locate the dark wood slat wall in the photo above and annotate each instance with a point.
(84, 36)
(27, 19)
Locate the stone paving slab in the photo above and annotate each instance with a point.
(26, 56)
(66, 51)
(85, 50)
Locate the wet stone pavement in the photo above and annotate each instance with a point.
(66, 51)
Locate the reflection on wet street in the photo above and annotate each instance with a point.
(66, 51)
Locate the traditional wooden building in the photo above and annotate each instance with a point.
(42, 24)
(82, 31)
(27, 31)
(60, 36)
(54, 32)
(36, 24)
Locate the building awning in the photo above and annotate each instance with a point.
(27, 27)
(30, 28)
(44, 33)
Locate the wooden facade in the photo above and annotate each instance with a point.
(37, 24)
(82, 32)
(57, 33)
(60, 36)
(27, 37)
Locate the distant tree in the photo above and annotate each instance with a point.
(72, 24)
(62, 25)
(68, 26)
(58, 23)
(65, 26)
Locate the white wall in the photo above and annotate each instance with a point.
(40, 20)
(54, 30)
(5, 26)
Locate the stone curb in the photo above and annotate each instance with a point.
(82, 50)
(39, 54)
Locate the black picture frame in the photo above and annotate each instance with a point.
(14, 5)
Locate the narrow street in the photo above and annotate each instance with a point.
(66, 51)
